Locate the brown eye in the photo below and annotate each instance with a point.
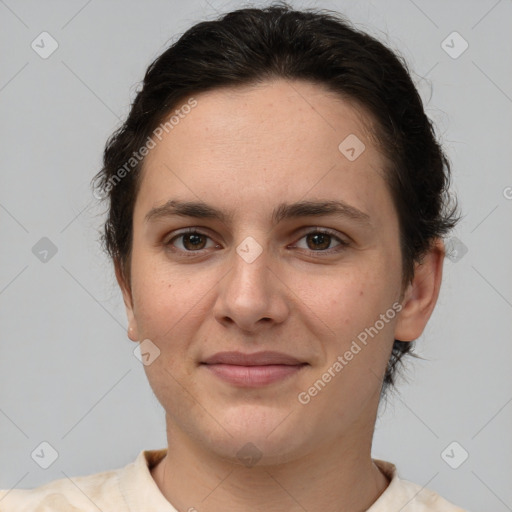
(320, 241)
(191, 241)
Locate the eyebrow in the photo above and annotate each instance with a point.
(201, 210)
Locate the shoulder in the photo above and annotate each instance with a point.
(424, 500)
(76, 494)
(108, 490)
(407, 496)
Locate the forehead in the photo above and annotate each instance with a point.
(252, 145)
(250, 117)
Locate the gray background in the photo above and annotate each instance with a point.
(68, 375)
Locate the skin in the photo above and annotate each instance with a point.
(245, 151)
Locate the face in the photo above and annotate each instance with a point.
(259, 301)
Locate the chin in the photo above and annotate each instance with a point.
(261, 435)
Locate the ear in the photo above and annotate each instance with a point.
(133, 333)
(421, 294)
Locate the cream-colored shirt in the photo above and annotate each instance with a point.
(132, 489)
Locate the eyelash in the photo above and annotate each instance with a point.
(192, 231)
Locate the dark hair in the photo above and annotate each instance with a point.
(250, 46)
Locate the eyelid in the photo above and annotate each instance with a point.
(186, 231)
(343, 243)
(328, 231)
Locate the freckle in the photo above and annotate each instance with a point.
(361, 293)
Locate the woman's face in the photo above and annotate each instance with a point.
(267, 276)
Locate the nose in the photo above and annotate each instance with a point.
(252, 295)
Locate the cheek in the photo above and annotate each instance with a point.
(359, 311)
(170, 304)
(354, 299)
(155, 294)
(160, 305)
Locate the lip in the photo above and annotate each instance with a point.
(255, 359)
(253, 370)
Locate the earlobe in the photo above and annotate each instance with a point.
(421, 295)
(128, 303)
(131, 333)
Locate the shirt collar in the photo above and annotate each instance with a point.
(137, 486)
(142, 494)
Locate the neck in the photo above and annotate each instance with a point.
(338, 475)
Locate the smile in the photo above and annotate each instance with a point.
(252, 370)
(253, 376)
